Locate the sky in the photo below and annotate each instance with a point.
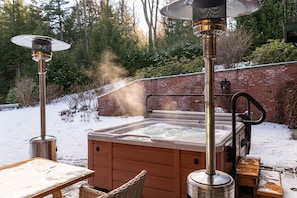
(272, 142)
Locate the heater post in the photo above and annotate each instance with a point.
(42, 53)
(209, 20)
(209, 53)
(42, 95)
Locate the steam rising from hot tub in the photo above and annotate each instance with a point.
(129, 100)
(170, 104)
(108, 71)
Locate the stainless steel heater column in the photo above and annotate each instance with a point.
(43, 145)
(209, 59)
(42, 47)
(209, 21)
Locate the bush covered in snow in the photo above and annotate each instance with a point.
(274, 51)
(291, 105)
(288, 104)
(172, 66)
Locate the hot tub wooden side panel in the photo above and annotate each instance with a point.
(189, 161)
(150, 189)
(143, 153)
(100, 160)
(159, 163)
(116, 163)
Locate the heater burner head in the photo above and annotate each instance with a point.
(209, 17)
(41, 49)
(182, 9)
(42, 46)
(26, 41)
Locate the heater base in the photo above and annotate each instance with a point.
(220, 185)
(43, 146)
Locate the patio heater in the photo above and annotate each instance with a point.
(42, 47)
(209, 21)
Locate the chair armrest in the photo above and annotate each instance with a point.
(88, 191)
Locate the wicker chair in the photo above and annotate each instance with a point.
(131, 189)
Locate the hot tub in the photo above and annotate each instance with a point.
(169, 145)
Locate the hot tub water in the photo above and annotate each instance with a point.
(165, 131)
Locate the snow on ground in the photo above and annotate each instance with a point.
(272, 142)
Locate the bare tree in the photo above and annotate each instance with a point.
(232, 46)
(90, 11)
(85, 27)
(151, 10)
(129, 19)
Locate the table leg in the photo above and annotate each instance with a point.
(57, 194)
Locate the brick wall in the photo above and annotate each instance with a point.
(263, 82)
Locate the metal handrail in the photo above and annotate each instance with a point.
(181, 95)
(248, 121)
